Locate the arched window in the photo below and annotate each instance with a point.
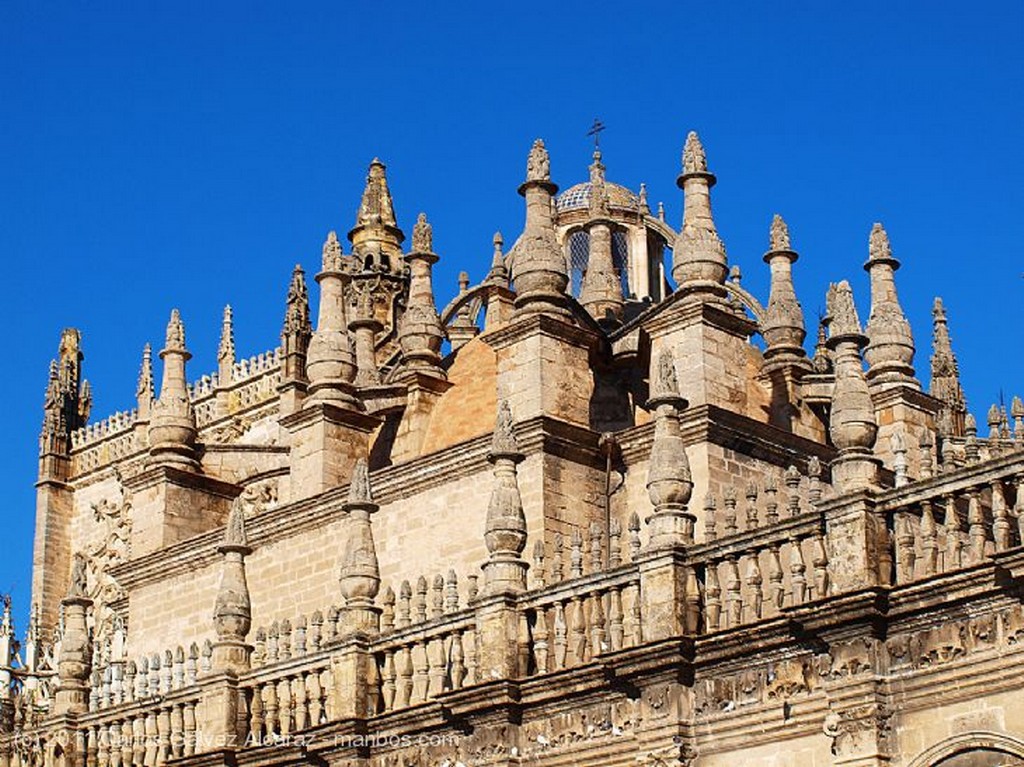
(579, 257)
(620, 259)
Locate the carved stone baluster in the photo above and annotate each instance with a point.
(797, 570)
(751, 494)
(755, 601)
(130, 672)
(388, 677)
(540, 639)
(298, 694)
(311, 681)
(733, 593)
(729, 514)
(556, 559)
(420, 604)
(929, 540)
(256, 719)
(435, 666)
(284, 646)
(977, 530)
(92, 747)
(163, 735)
(316, 625)
(906, 555)
(406, 685)
(437, 597)
(561, 636)
(634, 536)
(420, 678)
(635, 630)
(771, 501)
(272, 642)
(578, 631)
(792, 480)
(596, 547)
(598, 629)
(819, 559)
(178, 731)
(189, 715)
(576, 554)
(139, 740)
(776, 588)
(270, 707)
(1018, 507)
(472, 587)
(403, 617)
(178, 677)
(814, 480)
(286, 706)
(954, 543)
(387, 612)
(1001, 528)
(710, 518)
(458, 662)
(472, 668)
(299, 636)
(102, 746)
(713, 597)
(523, 646)
(926, 443)
(451, 592)
(615, 543)
(152, 735)
(539, 575)
(691, 602)
(616, 633)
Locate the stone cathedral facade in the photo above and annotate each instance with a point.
(607, 507)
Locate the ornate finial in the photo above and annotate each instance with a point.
(642, 197)
(879, 248)
(235, 538)
(145, 384)
(945, 379)
(938, 310)
(332, 253)
(779, 234)
(422, 235)
(538, 164)
(175, 332)
(504, 441)
(661, 211)
(498, 274)
(694, 159)
(78, 587)
(897, 442)
(665, 383)
(226, 348)
(842, 311)
(296, 318)
(359, 487)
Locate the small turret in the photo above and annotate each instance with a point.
(945, 377)
(420, 332)
(376, 239)
(539, 270)
(852, 423)
(172, 430)
(699, 263)
(601, 291)
(669, 483)
(144, 393)
(783, 328)
(226, 348)
(360, 572)
(232, 612)
(890, 350)
(505, 528)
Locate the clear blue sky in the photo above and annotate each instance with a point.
(188, 154)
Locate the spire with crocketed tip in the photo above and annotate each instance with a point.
(945, 376)
(226, 347)
(699, 264)
(783, 327)
(376, 234)
(890, 350)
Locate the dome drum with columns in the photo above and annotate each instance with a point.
(579, 515)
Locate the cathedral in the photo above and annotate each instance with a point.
(605, 508)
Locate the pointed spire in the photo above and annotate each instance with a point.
(645, 208)
(852, 419)
(822, 361)
(296, 330)
(66, 404)
(783, 327)
(498, 275)
(376, 235)
(232, 611)
(539, 269)
(144, 393)
(226, 348)
(330, 362)
(601, 291)
(360, 572)
(420, 332)
(699, 263)
(669, 483)
(890, 350)
(505, 526)
(945, 377)
(172, 429)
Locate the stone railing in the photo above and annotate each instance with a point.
(290, 695)
(955, 519)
